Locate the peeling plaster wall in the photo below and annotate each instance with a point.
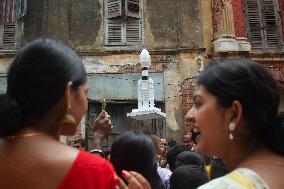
(168, 25)
(4, 64)
(173, 107)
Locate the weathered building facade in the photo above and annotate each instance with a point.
(181, 36)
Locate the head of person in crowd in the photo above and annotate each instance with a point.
(172, 143)
(190, 158)
(161, 146)
(173, 153)
(234, 109)
(164, 144)
(157, 141)
(46, 90)
(106, 152)
(136, 151)
(188, 177)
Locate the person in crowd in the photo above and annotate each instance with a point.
(190, 158)
(106, 152)
(160, 148)
(47, 97)
(173, 153)
(172, 143)
(233, 117)
(165, 147)
(101, 127)
(136, 151)
(164, 173)
(188, 177)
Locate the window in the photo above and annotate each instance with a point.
(11, 11)
(263, 24)
(123, 23)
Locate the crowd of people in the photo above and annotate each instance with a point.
(235, 142)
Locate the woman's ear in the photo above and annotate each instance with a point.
(237, 110)
(67, 95)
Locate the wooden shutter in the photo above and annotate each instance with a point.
(133, 22)
(9, 35)
(1, 35)
(133, 30)
(113, 8)
(114, 31)
(123, 22)
(133, 8)
(255, 31)
(270, 25)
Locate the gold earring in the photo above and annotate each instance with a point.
(68, 119)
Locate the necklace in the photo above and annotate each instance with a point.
(23, 135)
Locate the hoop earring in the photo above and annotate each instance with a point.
(231, 127)
(68, 119)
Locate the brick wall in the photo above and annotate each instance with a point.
(277, 70)
(238, 12)
(187, 89)
(217, 11)
(239, 19)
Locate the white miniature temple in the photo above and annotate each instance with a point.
(146, 107)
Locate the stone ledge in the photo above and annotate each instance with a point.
(231, 44)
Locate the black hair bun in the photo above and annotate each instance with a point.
(10, 116)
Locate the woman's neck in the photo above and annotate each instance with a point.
(242, 152)
(45, 126)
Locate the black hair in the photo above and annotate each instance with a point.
(172, 143)
(255, 88)
(106, 152)
(135, 151)
(188, 177)
(173, 153)
(36, 81)
(190, 158)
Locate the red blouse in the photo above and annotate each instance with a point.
(89, 172)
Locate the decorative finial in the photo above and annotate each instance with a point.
(145, 59)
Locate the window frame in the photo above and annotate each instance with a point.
(124, 23)
(266, 44)
(10, 29)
